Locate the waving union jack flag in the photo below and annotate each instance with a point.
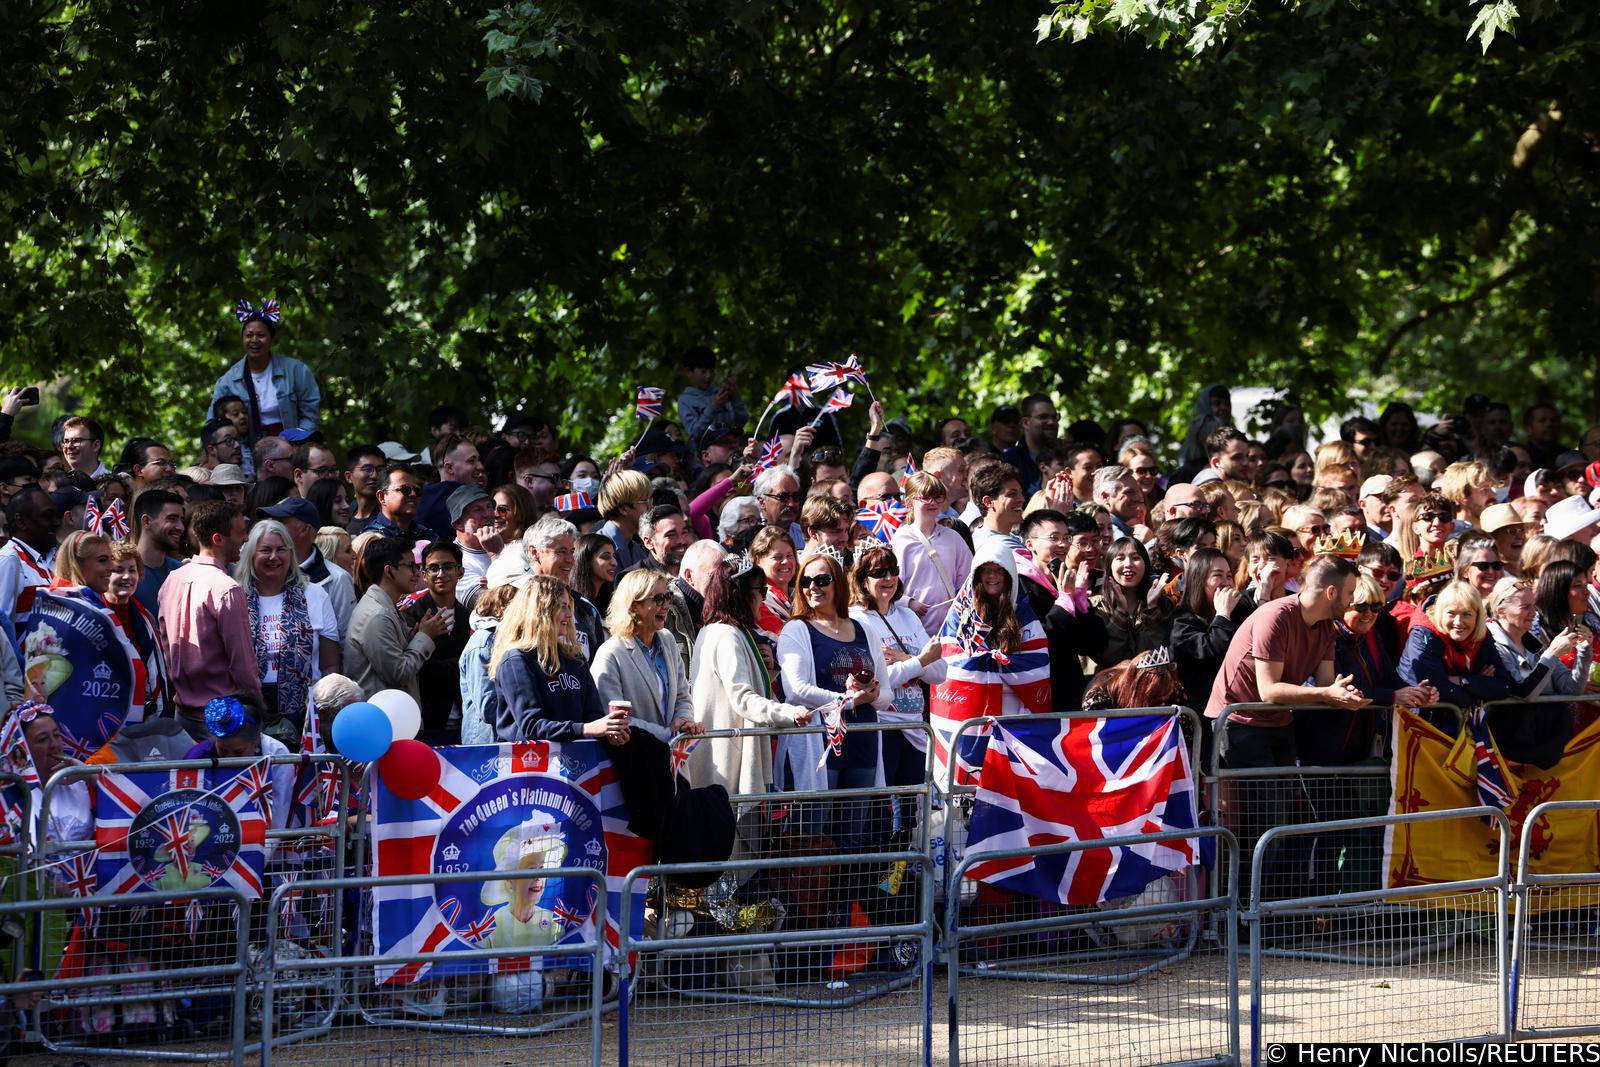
(112, 522)
(794, 393)
(1051, 781)
(882, 518)
(769, 454)
(831, 373)
(648, 403)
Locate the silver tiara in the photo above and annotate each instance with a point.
(867, 544)
(831, 552)
(1159, 656)
(742, 564)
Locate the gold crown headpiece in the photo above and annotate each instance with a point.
(1346, 545)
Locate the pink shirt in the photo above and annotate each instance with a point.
(932, 570)
(205, 633)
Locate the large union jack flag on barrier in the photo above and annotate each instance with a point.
(511, 807)
(980, 681)
(173, 830)
(1058, 780)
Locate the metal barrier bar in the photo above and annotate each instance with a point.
(1522, 943)
(955, 932)
(1499, 884)
(634, 953)
(593, 948)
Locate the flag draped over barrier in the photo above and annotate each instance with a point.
(1053, 781)
(1433, 771)
(509, 807)
(174, 830)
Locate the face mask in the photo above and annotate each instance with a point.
(588, 486)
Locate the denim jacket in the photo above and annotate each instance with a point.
(299, 399)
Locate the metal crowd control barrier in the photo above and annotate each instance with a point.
(531, 991)
(1174, 1028)
(1554, 986)
(1091, 943)
(135, 935)
(787, 969)
(1342, 1007)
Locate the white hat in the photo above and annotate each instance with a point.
(395, 452)
(1207, 474)
(1570, 516)
(1530, 485)
(1374, 486)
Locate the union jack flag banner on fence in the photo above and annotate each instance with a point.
(1054, 781)
(172, 830)
(510, 807)
(980, 681)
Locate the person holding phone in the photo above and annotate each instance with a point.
(440, 676)
(13, 401)
(381, 650)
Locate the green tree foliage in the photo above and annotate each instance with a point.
(539, 206)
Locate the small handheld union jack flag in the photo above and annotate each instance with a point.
(680, 752)
(905, 475)
(832, 716)
(769, 454)
(882, 518)
(112, 522)
(794, 393)
(648, 403)
(572, 502)
(972, 633)
(833, 372)
(840, 400)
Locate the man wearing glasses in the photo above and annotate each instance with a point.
(539, 473)
(219, 444)
(778, 497)
(439, 677)
(312, 463)
(363, 466)
(397, 506)
(81, 442)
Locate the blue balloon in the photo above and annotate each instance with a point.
(361, 732)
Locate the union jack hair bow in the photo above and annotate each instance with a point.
(648, 402)
(882, 518)
(573, 501)
(112, 522)
(267, 312)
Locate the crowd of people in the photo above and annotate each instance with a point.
(520, 589)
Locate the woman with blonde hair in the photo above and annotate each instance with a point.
(640, 662)
(624, 498)
(84, 559)
(543, 688)
(1535, 554)
(1448, 649)
(334, 544)
(358, 545)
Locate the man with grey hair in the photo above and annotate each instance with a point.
(777, 492)
(331, 695)
(701, 565)
(551, 547)
(1116, 490)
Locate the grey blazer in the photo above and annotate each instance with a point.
(622, 672)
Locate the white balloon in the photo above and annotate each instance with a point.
(404, 715)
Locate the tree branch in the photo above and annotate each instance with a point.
(1439, 307)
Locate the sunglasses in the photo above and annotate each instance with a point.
(816, 581)
(1283, 483)
(1371, 607)
(1316, 528)
(884, 572)
(1434, 516)
(658, 599)
(404, 490)
(1387, 575)
(1488, 565)
(788, 498)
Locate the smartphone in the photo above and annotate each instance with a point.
(29, 397)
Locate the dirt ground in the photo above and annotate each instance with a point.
(1178, 1013)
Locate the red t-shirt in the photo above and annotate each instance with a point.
(1273, 632)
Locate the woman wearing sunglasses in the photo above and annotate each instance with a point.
(1478, 562)
(640, 662)
(912, 657)
(1536, 733)
(1431, 527)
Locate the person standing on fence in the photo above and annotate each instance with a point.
(1280, 646)
(205, 618)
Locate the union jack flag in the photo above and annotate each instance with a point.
(769, 454)
(905, 475)
(830, 373)
(680, 752)
(648, 403)
(882, 518)
(981, 682)
(841, 399)
(572, 502)
(832, 716)
(794, 393)
(478, 806)
(1052, 781)
(411, 600)
(194, 832)
(1494, 788)
(75, 875)
(255, 782)
(112, 522)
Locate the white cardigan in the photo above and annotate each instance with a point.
(802, 753)
(902, 629)
(729, 693)
(622, 672)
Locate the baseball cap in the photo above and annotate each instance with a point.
(898, 423)
(716, 431)
(68, 498)
(1570, 459)
(653, 443)
(1006, 413)
(1498, 517)
(228, 474)
(294, 435)
(294, 507)
(1476, 404)
(463, 497)
(395, 452)
(1374, 485)
(1569, 516)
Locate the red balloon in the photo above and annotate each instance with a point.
(410, 769)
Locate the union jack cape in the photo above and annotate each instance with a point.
(484, 794)
(1053, 781)
(981, 682)
(192, 829)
